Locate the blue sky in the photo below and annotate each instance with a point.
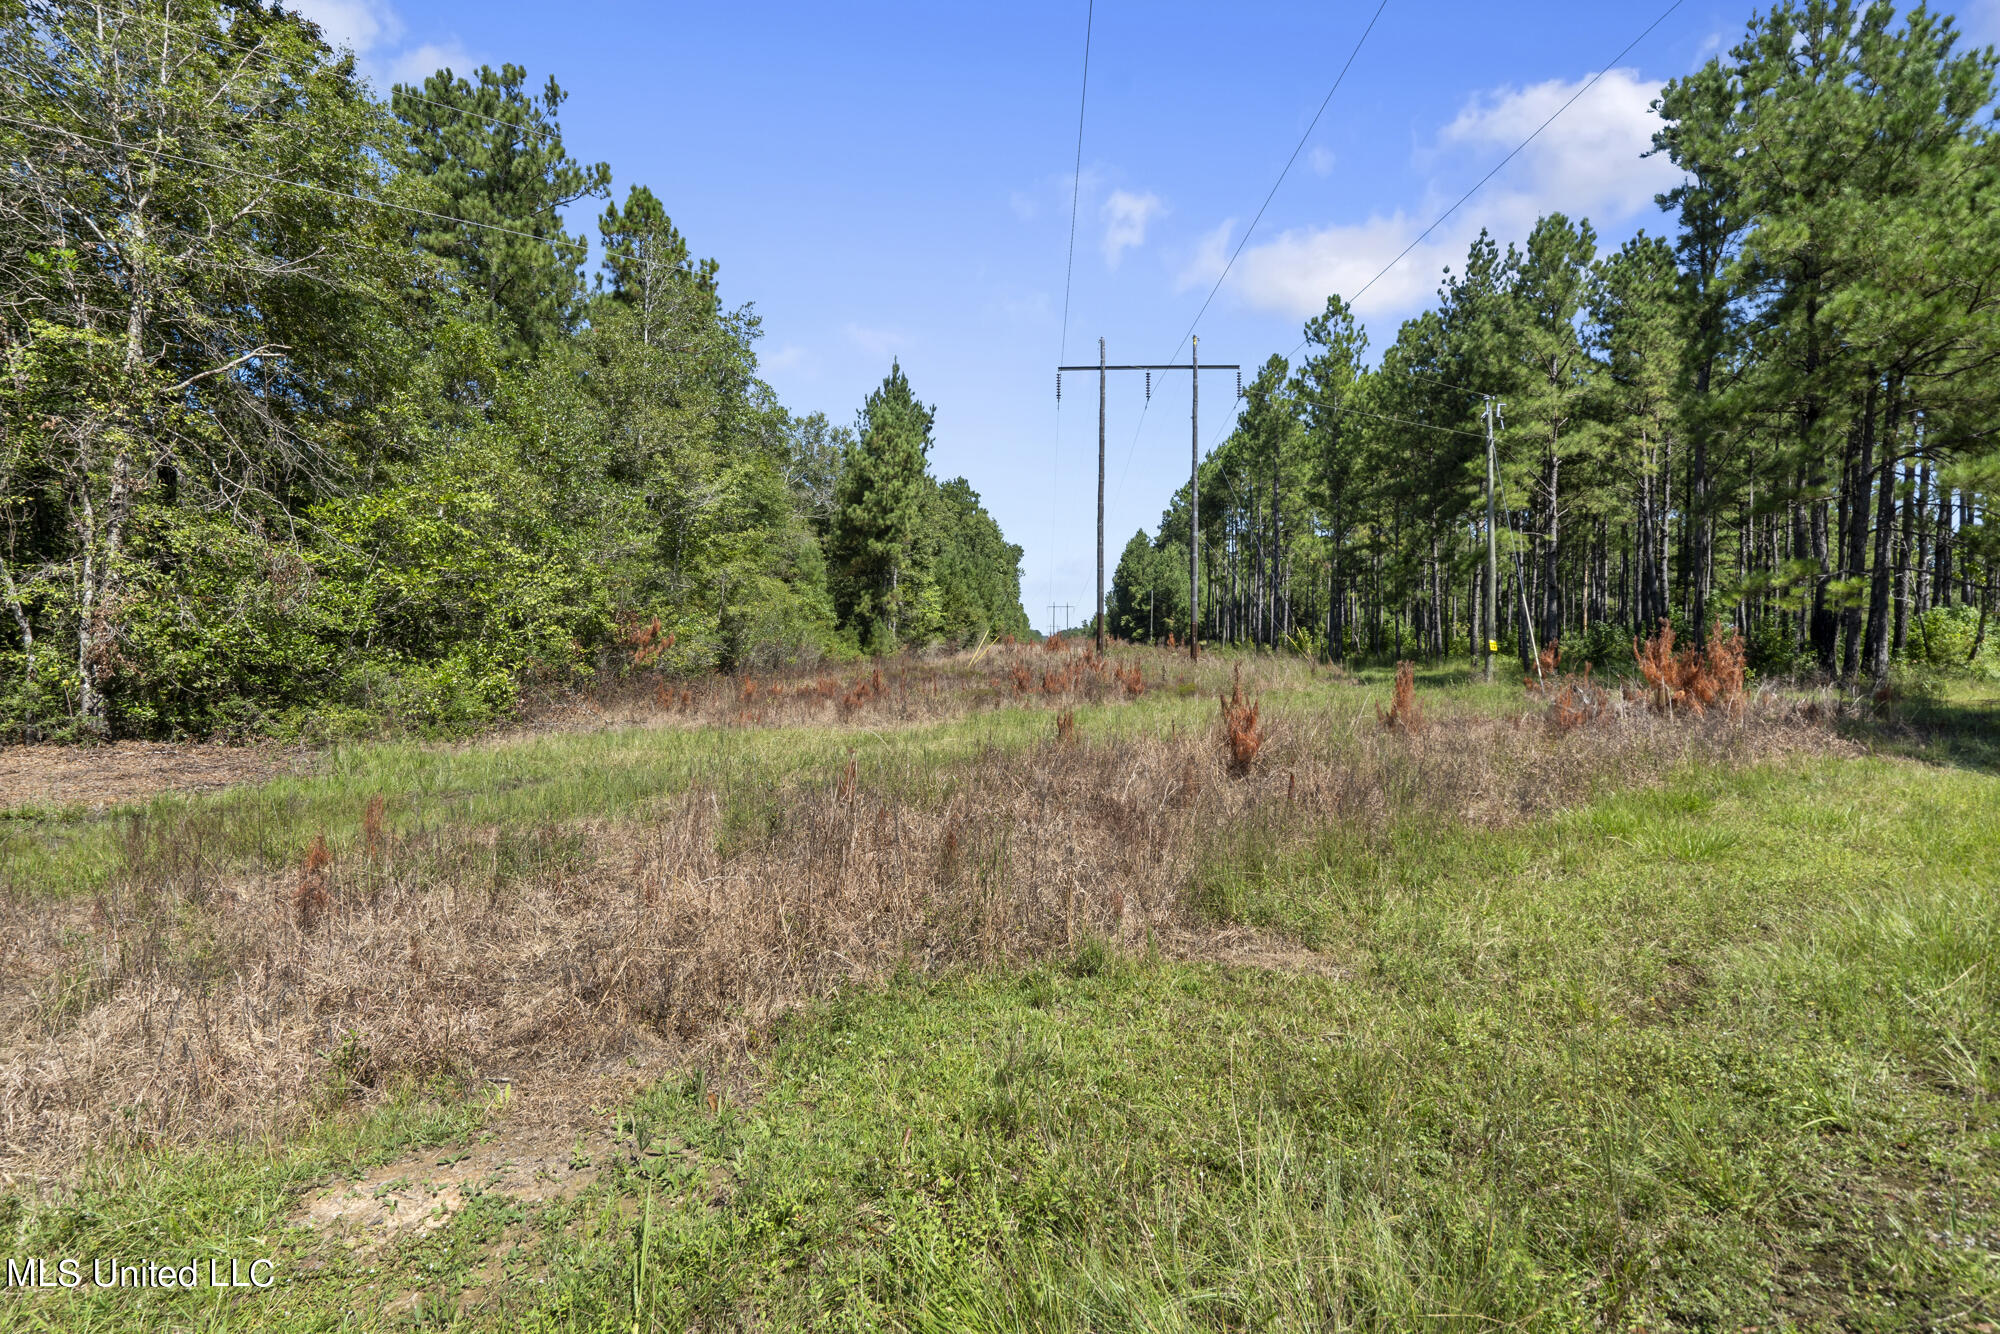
(894, 180)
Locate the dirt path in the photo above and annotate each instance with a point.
(132, 771)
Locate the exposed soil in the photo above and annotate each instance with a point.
(132, 771)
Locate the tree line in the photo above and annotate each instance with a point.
(310, 413)
(1777, 421)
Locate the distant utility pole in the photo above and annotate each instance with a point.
(1100, 497)
(1193, 367)
(1493, 409)
(1057, 627)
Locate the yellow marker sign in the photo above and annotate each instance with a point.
(1492, 646)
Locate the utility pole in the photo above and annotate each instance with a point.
(1492, 545)
(1193, 367)
(1194, 502)
(1057, 627)
(1100, 497)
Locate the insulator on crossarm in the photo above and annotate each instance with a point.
(1058, 386)
(1239, 384)
(1149, 386)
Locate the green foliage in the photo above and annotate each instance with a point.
(1148, 595)
(491, 154)
(880, 585)
(1951, 639)
(345, 472)
(976, 569)
(910, 561)
(1781, 409)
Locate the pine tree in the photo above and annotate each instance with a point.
(492, 155)
(880, 512)
(646, 258)
(1326, 383)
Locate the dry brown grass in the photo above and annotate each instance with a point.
(898, 691)
(190, 1001)
(131, 771)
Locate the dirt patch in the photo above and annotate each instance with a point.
(1239, 948)
(132, 771)
(553, 1139)
(416, 1196)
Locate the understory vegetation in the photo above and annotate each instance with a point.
(1028, 989)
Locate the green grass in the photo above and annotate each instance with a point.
(525, 783)
(1718, 1054)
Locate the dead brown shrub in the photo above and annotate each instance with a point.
(1405, 714)
(646, 642)
(1066, 727)
(1241, 734)
(1690, 678)
(1577, 700)
(310, 897)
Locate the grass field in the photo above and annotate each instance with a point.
(927, 1012)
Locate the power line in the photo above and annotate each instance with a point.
(1069, 267)
(274, 180)
(1285, 171)
(1132, 448)
(1076, 178)
(1512, 154)
(1404, 421)
(1419, 375)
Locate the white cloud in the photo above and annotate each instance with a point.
(375, 32)
(1591, 159)
(1321, 160)
(1587, 164)
(359, 25)
(1294, 272)
(1211, 253)
(420, 62)
(1024, 205)
(878, 343)
(1025, 308)
(1125, 218)
(789, 357)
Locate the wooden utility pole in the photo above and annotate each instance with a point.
(1194, 502)
(1100, 497)
(1193, 367)
(1492, 546)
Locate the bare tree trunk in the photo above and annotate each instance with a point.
(1905, 544)
(1854, 498)
(1877, 651)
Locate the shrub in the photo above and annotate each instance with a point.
(1773, 647)
(1405, 714)
(1944, 639)
(1577, 700)
(1242, 736)
(1692, 678)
